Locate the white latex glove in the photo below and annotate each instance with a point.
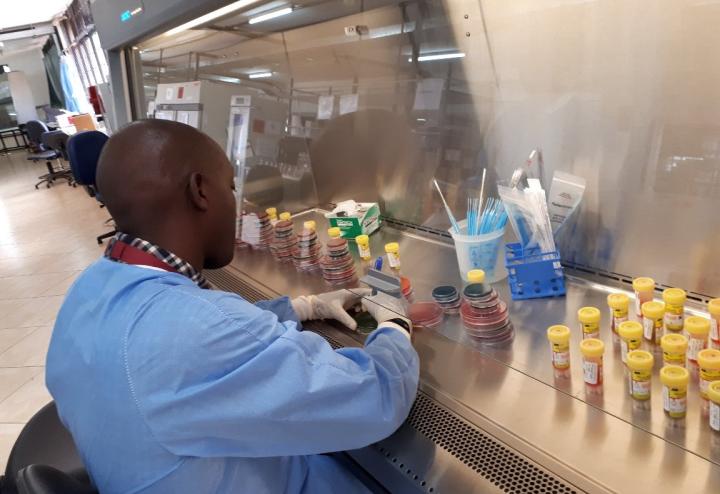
(330, 305)
(383, 308)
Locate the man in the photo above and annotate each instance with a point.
(168, 387)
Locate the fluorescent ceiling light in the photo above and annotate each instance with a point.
(222, 78)
(212, 15)
(260, 75)
(270, 15)
(440, 56)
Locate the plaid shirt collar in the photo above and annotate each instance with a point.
(182, 267)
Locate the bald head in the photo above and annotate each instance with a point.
(168, 183)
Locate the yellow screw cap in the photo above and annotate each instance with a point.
(674, 376)
(363, 240)
(653, 309)
(271, 211)
(618, 301)
(714, 307)
(713, 392)
(392, 248)
(476, 276)
(697, 326)
(709, 359)
(558, 334)
(674, 296)
(309, 225)
(630, 330)
(640, 360)
(592, 347)
(643, 284)
(285, 216)
(589, 315)
(334, 232)
(674, 343)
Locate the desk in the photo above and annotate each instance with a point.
(12, 139)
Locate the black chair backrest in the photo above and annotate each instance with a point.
(42, 479)
(84, 150)
(57, 141)
(44, 440)
(35, 129)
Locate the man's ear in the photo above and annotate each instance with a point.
(197, 191)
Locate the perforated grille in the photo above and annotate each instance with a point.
(230, 282)
(507, 470)
(333, 343)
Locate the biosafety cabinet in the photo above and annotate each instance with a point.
(374, 100)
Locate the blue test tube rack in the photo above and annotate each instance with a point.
(533, 274)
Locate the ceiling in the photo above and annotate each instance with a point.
(24, 12)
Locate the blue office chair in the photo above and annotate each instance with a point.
(37, 134)
(84, 150)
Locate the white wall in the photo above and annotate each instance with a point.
(23, 99)
(30, 62)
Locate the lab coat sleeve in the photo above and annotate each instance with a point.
(281, 307)
(226, 378)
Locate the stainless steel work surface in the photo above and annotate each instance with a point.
(606, 439)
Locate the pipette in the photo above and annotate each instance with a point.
(447, 208)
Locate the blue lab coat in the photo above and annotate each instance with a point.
(168, 388)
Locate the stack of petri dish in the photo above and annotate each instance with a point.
(338, 266)
(306, 255)
(448, 298)
(426, 314)
(239, 242)
(285, 240)
(484, 315)
(257, 230)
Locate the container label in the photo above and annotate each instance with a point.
(714, 416)
(674, 322)
(674, 402)
(640, 389)
(623, 350)
(590, 372)
(694, 347)
(648, 328)
(393, 260)
(591, 330)
(704, 387)
(638, 304)
(364, 251)
(561, 360)
(714, 329)
(617, 320)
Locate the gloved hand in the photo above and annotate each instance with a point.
(330, 305)
(383, 308)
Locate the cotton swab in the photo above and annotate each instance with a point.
(447, 208)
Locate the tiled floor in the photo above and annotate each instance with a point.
(47, 237)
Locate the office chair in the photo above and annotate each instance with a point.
(84, 149)
(43, 441)
(42, 479)
(35, 130)
(56, 140)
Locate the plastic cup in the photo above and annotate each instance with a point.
(480, 252)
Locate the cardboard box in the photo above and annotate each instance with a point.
(363, 224)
